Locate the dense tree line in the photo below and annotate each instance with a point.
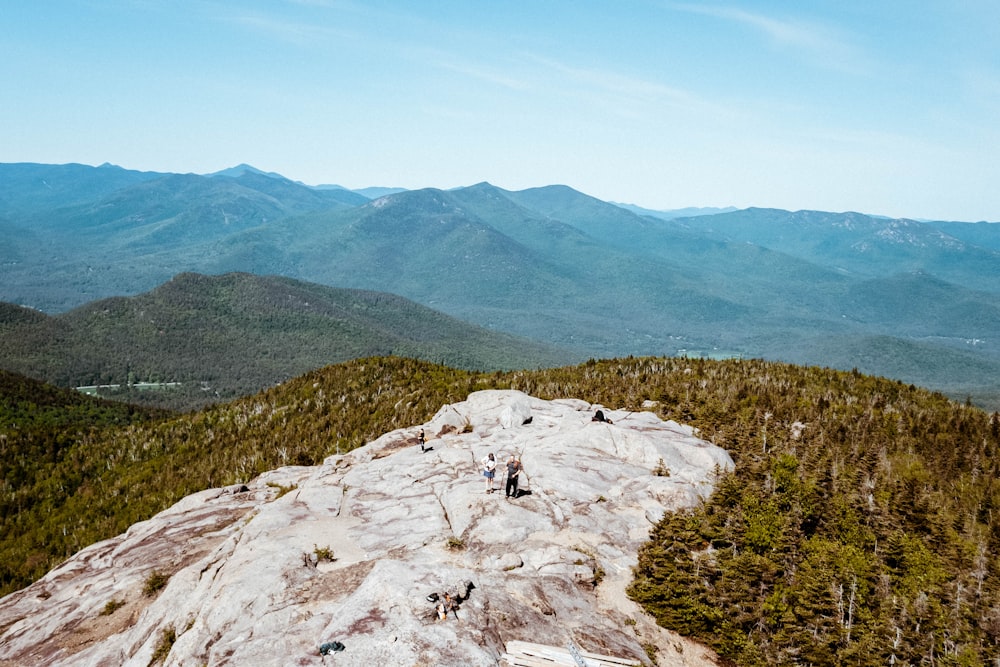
(858, 527)
(44, 432)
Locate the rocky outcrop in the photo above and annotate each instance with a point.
(354, 556)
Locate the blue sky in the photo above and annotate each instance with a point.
(890, 107)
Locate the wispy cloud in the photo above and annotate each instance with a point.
(487, 74)
(528, 71)
(611, 81)
(817, 39)
(630, 94)
(287, 31)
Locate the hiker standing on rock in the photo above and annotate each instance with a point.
(489, 470)
(513, 470)
(422, 441)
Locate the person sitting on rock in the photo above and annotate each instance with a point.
(451, 604)
(461, 591)
(489, 470)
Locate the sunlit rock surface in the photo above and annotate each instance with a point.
(249, 583)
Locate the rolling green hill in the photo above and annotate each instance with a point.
(231, 335)
(857, 527)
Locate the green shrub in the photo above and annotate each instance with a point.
(167, 638)
(112, 606)
(323, 553)
(154, 583)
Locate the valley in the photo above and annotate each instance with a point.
(909, 300)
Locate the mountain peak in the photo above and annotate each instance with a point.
(356, 554)
(244, 168)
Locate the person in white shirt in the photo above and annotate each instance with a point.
(489, 471)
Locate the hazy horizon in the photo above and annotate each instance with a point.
(887, 108)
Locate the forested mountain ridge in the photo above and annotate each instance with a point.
(29, 188)
(864, 245)
(231, 335)
(857, 527)
(43, 461)
(549, 263)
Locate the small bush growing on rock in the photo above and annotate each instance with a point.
(112, 606)
(456, 543)
(154, 583)
(323, 553)
(661, 469)
(167, 638)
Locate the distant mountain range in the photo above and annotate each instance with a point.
(916, 301)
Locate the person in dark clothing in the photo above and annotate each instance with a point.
(422, 441)
(513, 472)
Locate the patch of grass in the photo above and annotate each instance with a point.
(167, 638)
(282, 490)
(154, 583)
(112, 606)
(456, 543)
(661, 469)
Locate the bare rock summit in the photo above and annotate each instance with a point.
(352, 562)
